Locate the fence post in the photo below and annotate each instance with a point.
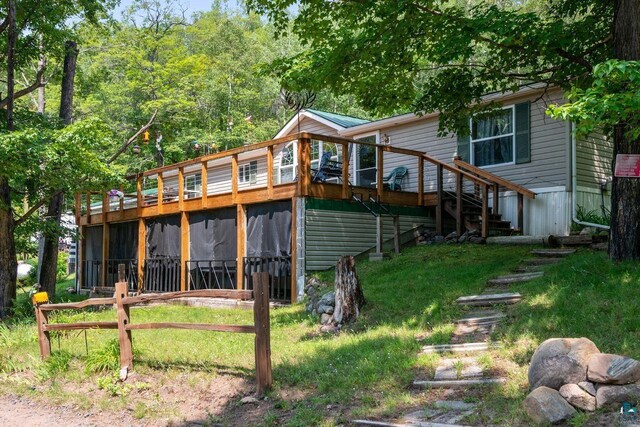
(262, 328)
(44, 340)
(124, 335)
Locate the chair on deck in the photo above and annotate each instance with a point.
(327, 168)
(393, 181)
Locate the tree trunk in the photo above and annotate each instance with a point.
(349, 295)
(624, 240)
(49, 261)
(8, 260)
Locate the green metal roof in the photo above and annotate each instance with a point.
(339, 119)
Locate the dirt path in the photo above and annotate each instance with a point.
(21, 412)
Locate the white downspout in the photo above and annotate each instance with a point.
(574, 184)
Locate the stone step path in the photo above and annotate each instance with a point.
(515, 278)
(553, 253)
(490, 299)
(471, 335)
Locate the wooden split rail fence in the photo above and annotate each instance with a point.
(123, 324)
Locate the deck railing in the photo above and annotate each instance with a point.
(162, 274)
(279, 269)
(212, 274)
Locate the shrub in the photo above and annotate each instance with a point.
(104, 359)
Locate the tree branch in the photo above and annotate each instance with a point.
(39, 82)
(133, 138)
(35, 207)
(4, 24)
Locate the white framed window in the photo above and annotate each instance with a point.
(248, 173)
(493, 139)
(288, 162)
(366, 161)
(193, 185)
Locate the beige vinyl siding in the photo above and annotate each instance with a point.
(219, 179)
(261, 177)
(312, 126)
(549, 149)
(594, 155)
(332, 234)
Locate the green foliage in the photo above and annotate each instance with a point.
(55, 365)
(112, 385)
(592, 216)
(439, 55)
(105, 358)
(61, 267)
(611, 99)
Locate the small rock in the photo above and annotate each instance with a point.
(588, 387)
(248, 399)
(328, 309)
(326, 318)
(451, 236)
(329, 328)
(328, 299)
(545, 405)
(438, 239)
(463, 238)
(613, 369)
(610, 396)
(477, 239)
(473, 232)
(71, 290)
(123, 374)
(560, 361)
(577, 397)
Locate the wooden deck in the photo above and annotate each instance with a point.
(223, 184)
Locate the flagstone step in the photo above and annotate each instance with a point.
(515, 278)
(458, 369)
(459, 348)
(442, 413)
(531, 268)
(542, 261)
(553, 253)
(459, 383)
(481, 318)
(490, 299)
(409, 424)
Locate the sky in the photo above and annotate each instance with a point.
(191, 6)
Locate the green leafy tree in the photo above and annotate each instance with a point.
(432, 55)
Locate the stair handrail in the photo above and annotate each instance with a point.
(495, 179)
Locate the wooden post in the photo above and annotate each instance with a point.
(142, 248)
(396, 233)
(380, 173)
(263, 334)
(139, 195)
(181, 189)
(44, 340)
(459, 203)
(121, 203)
(521, 212)
(124, 336)
(496, 198)
(105, 252)
(81, 256)
(78, 208)
(440, 206)
(160, 191)
(241, 218)
(234, 178)
(304, 166)
(485, 211)
(421, 181)
(270, 172)
(379, 233)
(345, 171)
(122, 277)
(88, 207)
(184, 250)
(294, 249)
(204, 186)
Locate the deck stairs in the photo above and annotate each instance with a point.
(472, 214)
(379, 210)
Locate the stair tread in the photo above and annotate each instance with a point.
(458, 383)
(553, 252)
(515, 278)
(481, 297)
(459, 348)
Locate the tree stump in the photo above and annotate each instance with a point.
(349, 295)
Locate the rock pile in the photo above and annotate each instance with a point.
(432, 238)
(319, 303)
(571, 373)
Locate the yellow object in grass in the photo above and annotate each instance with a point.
(40, 298)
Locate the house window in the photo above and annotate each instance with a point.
(493, 139)
(287, 164)
(366, 161)
(248, 173)
(192, 186)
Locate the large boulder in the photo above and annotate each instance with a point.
(577, 397)
(612, 396)
(560, 361)
(545, 405)
(613, 369)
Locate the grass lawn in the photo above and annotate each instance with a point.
(328, 379)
